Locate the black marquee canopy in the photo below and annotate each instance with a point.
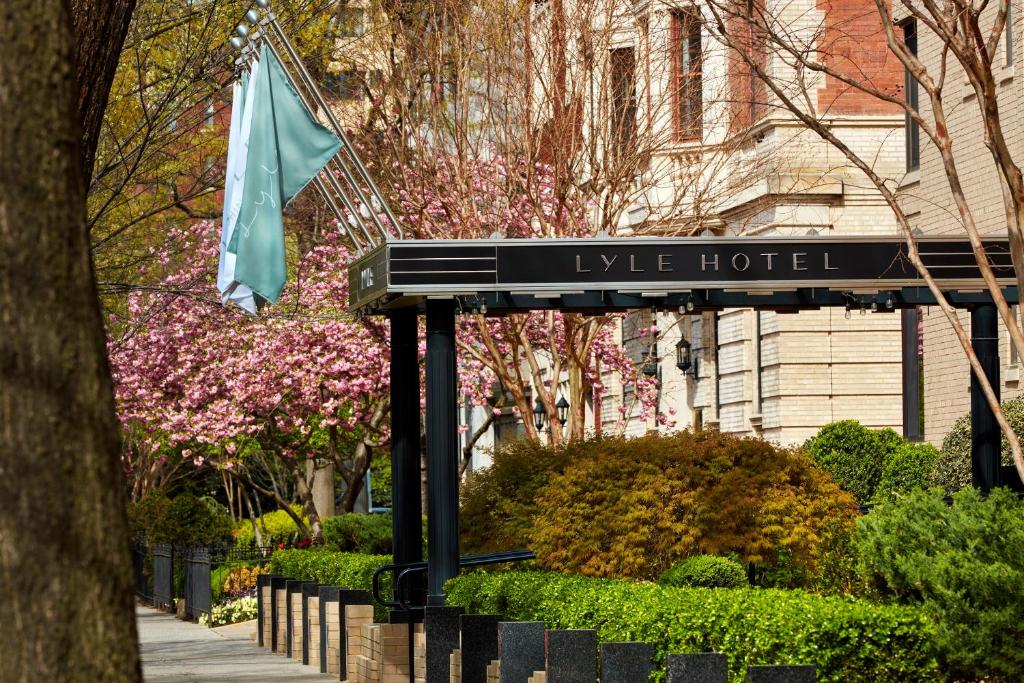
(404, 279)
(506, 275)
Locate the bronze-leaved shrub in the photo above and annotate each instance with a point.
(633, 507)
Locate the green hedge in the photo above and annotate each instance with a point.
(846, 639)
(348, 570)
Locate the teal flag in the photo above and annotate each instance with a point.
(287, 148)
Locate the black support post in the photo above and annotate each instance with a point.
(912, 427)
(985, 434)
(442, 449)
(406, 525)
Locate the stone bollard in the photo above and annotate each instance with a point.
(278, 601)
(572, 656)
(478, 641)
(355, 609)
(707, 667)
(625, 662)
(330, 626)
(293, 614)
(310, 602)
(521, 650)
(263, 609)
(781, 674)
(441, 625)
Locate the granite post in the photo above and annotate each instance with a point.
(293, 588)
(572, 656)
(706, 667)
(520, 650)
(347, 597)
(625, 662)
(479, 645)
(309, 590)
(441, 625)
(278, 593)
(781, 674)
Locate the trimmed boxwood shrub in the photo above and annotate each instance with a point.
(963, 564)
(853, 455)
(348, 570)
(907, 468)
(705, 571)
(632, 507)
(276, 527)
(952, 469)
(358, 533)
(849, 641)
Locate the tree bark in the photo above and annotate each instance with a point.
(100, 27)
(65, 568)
(323, 487)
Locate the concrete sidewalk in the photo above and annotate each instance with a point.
(174, 650)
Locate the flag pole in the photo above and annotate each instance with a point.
(321, 102)
(246, 43)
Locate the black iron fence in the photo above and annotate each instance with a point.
(140, 563)
(198, 592)
(166, 573)
(163, 575)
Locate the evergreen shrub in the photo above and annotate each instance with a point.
(848, 640)
(908, 467)
(358, 533)
(185, 520)
(632, 507)
(952, 470)
(963, 564)
(705, 571)
(853, 455)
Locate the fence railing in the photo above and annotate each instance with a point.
(164, 573)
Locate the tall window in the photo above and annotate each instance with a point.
(913, 131)
(686, 74)
(1008, 39)
(623, 99)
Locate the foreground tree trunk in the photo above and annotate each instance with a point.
(64, 552)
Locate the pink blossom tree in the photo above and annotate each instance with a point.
(541, 355)
(202, 383)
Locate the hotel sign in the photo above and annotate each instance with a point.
(549, 267)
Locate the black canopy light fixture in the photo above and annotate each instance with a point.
(563, 410)
(684, 355)
(649, 362)
(540, 416)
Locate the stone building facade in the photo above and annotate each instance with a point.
(780, 375)
(927, 200)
